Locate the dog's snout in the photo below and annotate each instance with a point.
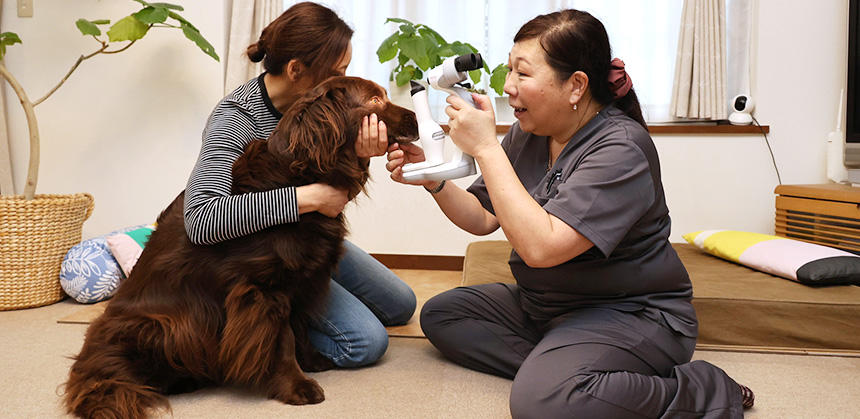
(402, 124)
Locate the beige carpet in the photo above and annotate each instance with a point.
(426, 284)
(411, 380)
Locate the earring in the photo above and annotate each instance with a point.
(574, 106)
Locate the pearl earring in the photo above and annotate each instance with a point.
(574, 106)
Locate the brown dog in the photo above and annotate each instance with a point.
(236, 312)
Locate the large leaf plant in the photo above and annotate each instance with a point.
(112, 39)
(419, 48)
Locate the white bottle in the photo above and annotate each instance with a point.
(836, 170)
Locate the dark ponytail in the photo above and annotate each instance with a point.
(308, 32)
(573, 41)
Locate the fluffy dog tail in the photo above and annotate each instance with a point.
(102, 386)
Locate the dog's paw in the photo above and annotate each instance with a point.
(301, 392)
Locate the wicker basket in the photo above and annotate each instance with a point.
(35, 235)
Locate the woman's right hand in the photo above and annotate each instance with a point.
(322, 198)
(401, 154)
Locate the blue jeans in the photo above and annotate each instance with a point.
(365, 297)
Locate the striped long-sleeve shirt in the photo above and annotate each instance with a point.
(212, 214)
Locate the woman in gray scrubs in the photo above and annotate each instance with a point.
(600, 322)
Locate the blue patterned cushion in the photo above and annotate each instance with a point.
(89, 272)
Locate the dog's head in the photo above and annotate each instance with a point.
(317, 134)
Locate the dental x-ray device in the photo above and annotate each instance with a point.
(443, 77)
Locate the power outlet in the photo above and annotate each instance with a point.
(25, 8)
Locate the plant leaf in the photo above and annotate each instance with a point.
(445, 51)
(407, 29)
(460, 48)
(100, 21)
(7, 38)
(402, 59)
(168, 6)
(127, 29)
(497, 78)
(193, 34)
(475, 75)
(426, 31)
(472, 48)
(88, 28)
(414, 48)
(387, 50)
(397, 20)
(404, 75)
(151, 15)
(182, 20)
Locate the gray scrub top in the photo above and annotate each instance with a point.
(606, 185)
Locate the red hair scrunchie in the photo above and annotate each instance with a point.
(619, 81)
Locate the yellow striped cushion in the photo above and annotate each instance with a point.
(792, 259)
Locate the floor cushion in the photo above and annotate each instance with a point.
(736, 305)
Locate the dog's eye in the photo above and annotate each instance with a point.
(376, 100)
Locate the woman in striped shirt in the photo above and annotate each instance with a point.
(305, 45)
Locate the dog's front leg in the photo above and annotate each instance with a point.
(258, 346)
(289, 384)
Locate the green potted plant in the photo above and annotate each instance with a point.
(38, 230)
(418, 48)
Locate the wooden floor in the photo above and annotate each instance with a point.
(426, 284)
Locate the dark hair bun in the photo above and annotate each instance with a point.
(256, 52)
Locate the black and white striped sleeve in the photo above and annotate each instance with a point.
(212, 214)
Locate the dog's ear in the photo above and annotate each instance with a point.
(314, 129)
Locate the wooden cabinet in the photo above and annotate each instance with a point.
(826, 214)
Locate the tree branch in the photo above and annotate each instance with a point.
(32, 125)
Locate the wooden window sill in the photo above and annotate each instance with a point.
(683, 128)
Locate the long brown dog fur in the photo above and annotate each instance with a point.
(236, 312)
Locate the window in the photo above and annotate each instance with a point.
(642, 33)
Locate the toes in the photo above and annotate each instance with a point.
(301, 392)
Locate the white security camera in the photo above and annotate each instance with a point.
(742, 107)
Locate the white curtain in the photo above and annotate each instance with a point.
(739, 21)
(699, 91)
(642, 33)
(247, 20)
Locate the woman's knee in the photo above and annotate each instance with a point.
(403, 304)
(440, 310)
(363, 350)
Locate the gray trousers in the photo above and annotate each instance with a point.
(591, 363)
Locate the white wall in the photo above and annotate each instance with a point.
(711, 181)
(125, 127)
(132, 143)
(800, 66)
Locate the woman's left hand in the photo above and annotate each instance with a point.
(472, 129)
(372, 137)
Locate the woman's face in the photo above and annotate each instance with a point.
(540, 100)
(343, 63)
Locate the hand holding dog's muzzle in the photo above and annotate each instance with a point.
(372, 137)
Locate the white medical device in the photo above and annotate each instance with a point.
(443, 77)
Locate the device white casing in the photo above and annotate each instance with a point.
(741, 115)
